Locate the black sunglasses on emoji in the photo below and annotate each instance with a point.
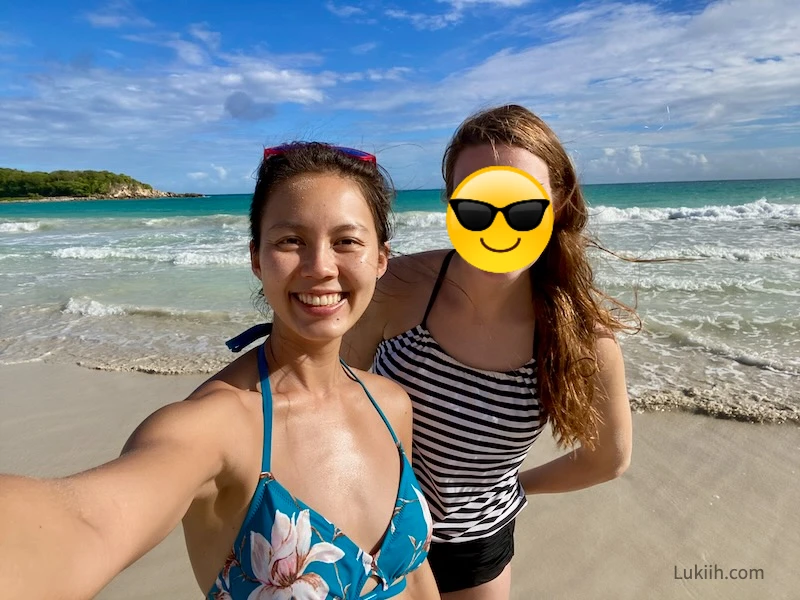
(475, 215)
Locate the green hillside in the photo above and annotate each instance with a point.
(78, 184)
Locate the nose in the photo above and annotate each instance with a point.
(319, 262)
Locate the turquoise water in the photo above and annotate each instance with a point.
(642, 195)
(158, 285)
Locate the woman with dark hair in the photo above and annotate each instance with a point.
(288, 467)
(489, 358)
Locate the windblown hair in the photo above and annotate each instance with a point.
(570, 311)
(314, 158)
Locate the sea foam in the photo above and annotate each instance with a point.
(20, 227)
(215, 257)
(761, 209)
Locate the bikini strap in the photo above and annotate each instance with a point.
(374, 403)
(266, 403)
(536, 325)
(436, 286)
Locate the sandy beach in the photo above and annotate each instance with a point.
(702, 497)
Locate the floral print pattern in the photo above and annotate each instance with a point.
(280, 566)
(286, 550)
(297, 563)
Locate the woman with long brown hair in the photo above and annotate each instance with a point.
(489, 358)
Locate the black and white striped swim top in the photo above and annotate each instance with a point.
(472, 430)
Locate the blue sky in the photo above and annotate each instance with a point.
(184, 95)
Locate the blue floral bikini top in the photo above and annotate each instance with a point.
(285, 549)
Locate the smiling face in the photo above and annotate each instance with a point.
(500, 217)
(319, 255)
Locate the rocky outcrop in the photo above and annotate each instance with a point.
(141, 191)
(31, 186)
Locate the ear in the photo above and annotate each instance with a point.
(255, 261)
(383, 259)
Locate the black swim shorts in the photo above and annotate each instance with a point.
(459, 566)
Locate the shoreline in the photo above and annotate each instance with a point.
(699, 491)
(710, 402)
(92, 198)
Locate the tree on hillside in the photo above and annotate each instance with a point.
(37, 184)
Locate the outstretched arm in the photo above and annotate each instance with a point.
(583, 467)
(68, 537)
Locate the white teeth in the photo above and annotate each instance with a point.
(324, 300)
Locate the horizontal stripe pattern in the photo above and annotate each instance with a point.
(472, 431)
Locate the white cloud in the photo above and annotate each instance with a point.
(200, 31)
(393, 74)
(640, 162)
(634, 91)
(96, 107)
(116, 14)
(344, 10)
(364, 48)
(424, 21)
(197, 175)
(635, 156)
(435, 22)
(461, 4)
(621, 72)
(222, 172)
(186, 51)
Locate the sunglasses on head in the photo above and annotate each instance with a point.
(359, 154)
(475, 215)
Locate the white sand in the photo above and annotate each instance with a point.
(700, 492)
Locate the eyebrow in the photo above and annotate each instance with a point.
(295, 225)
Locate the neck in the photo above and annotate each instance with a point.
(493, 295)
(312, 366)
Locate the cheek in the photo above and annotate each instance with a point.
(364, 266)
(276, 268)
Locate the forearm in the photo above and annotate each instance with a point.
(574, 471)
(45, 545)
(68, 538)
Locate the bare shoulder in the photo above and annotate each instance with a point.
(398, 304)
(215, 409)
(214, 420)
(407, 271)
(389, 395)
(200, 409)
(394, 403)
(404, 290)
(234, 392)
(610, 380)
(608, 351)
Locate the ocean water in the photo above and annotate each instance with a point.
(159, 285)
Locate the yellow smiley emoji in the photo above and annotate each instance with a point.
(500, 219)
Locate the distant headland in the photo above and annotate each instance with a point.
(76, 185)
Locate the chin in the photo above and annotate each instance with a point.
(323, 332)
